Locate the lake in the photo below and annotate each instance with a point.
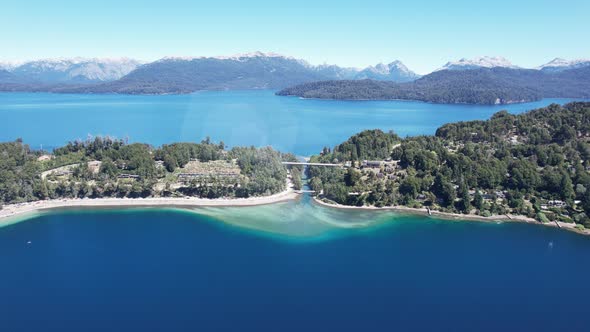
(287, 267)
(257, 118)
(293, 266)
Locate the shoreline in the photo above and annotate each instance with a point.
(456, 216)
(11, 211)
(413, 100)
(14, 212)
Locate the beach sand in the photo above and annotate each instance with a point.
(13, 211)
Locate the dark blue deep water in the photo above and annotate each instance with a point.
(158, 270)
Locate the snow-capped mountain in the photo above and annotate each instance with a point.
(236, 57)
(9, 65)
(478, 62)
(335, 72)
(75, 70)
(559, 64)
(395, 71)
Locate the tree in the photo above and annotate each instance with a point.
(351, 177)
(567, 188)
(170, 163)
(108, 168)
(464, 204)
(478, 200)
(409, 187)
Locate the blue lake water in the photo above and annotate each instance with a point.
(236, 117)
(165, 270)
(292, 266)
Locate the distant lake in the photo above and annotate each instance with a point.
(168, 270)
(235, 117)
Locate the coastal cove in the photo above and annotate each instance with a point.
(256, 117)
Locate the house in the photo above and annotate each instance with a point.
(372, 163)
(188, 177)
(128, 176)
(488, 196)
(556, 203)
(500, 194)
(63, 172)
(45, 157)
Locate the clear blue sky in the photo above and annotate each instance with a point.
(423, 34)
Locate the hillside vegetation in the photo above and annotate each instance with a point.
(475, 86)
(104, 167)
(535, 164)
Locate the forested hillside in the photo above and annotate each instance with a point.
(475, 86)
(104, 167)
(535, 164)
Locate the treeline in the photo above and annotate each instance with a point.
(474, 86)
(529, 160)
(106, 167)
(367, 145)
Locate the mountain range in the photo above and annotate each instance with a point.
(172, 75)
(74, 70)
(186, 74)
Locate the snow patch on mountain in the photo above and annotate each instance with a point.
(9, 65)
(559, 64)
(394, 71)
(236, 57)
(478, 62)
(76, 69)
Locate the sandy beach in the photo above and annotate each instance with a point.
(22, 209)
(456, 216)
(14, 211)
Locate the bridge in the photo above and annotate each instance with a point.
(311, 164)
(304, 191)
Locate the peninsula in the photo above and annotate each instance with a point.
(534, 165)
(487, 86)
(103, 172)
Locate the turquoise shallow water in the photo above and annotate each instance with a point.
(311, 268)
(236, 117)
